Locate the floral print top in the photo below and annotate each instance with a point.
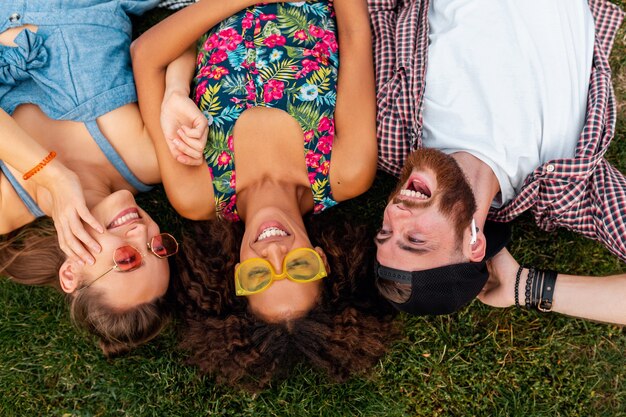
(281, 55)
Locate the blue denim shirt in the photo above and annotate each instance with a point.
(77, 66)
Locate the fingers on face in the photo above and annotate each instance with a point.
(66, 244)
(77, 238)
(73, 239)
(88, 218)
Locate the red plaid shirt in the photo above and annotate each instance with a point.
(585, 193)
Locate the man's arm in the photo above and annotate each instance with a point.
(592, 298)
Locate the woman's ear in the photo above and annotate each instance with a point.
(68, 278)
(322, 255)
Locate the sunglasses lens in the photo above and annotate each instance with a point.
(303, 265)
(164, 245)
(254, 275)
(127, 258)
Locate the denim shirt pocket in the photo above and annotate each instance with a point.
(34, 68)
(18, 62)
(56, 79)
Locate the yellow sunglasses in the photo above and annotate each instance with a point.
(256, 274)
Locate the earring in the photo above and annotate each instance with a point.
(474, 231)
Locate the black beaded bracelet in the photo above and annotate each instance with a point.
(517, 279)
(529, 281)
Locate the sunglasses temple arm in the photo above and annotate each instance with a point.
(109, 270)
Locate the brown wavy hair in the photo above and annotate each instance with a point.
(344, 334)
(31, 255)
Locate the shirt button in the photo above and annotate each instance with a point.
(550, 168)
(14, 17)
(248, 38)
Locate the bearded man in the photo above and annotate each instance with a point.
(514, 102)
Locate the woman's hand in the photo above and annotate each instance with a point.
(68, 212)
(185, 128)
(499, 291)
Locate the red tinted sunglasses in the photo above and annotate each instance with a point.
(128, 258)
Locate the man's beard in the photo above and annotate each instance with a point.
(453, 195)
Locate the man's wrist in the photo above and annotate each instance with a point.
(521, 296)
(535, 289)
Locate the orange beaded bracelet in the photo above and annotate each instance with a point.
(40, 165)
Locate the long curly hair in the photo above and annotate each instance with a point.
(344, 334)
(31, 255)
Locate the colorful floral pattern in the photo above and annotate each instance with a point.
(281, 55)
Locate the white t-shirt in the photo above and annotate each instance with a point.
(507, 81)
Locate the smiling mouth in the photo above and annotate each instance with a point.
(271, 232)
(125, 217)
(416, 189)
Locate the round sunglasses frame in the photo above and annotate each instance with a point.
(240, 291)
(150, 247)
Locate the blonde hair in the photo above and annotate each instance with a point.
(31, 255)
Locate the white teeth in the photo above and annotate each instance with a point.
(125, 218)
(413, 194)
(271, 231)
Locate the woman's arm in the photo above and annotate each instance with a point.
(184, 126)
(188, 187)
(22, 152)
(355, 148)
(593, 298)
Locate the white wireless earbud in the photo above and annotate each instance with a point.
(473, 239)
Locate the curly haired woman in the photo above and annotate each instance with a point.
(301, 131)
(68, 111)
(345, 333)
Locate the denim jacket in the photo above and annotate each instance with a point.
(77, 66)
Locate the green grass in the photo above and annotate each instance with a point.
(479, 362)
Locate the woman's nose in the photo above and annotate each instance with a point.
(275, 253)
(137, 234)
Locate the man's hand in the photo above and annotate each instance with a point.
(185, 128)
(499, 291)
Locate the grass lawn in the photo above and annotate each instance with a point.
(479, 362)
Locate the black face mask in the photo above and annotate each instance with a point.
(446, 289)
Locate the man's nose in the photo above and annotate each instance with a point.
(400, 210)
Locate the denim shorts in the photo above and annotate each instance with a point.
(77, 66)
